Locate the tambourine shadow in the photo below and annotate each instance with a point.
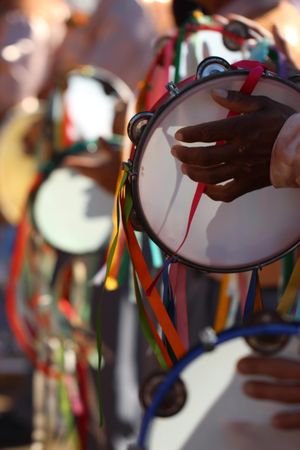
(255, 227)
(167, 133)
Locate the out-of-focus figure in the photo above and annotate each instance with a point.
(118, 38)
(30, 32)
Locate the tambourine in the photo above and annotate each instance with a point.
(199, 403)
(178, 56)
(233, 42)
(17, 167)
(71, 211)
(250, 232)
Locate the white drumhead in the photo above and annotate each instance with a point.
(248, 232)
(90, 108)
(201, 45)
(217, 415)
(72, 213)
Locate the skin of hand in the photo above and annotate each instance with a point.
(102, 166)
(240, 147)
(293, 64)
(254, 26)
(283, 385)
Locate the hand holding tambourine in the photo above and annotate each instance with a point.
(242, 161)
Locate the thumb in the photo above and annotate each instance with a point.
(238, 102)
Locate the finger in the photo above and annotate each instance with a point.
(227, 192)
(238, 102)
(251, 24)
(218, 130)
(229, 127)
(235, 188)
(220, 19)
(83, 161)
(287, 421)
(283, 47)
(280, 43)
(279, 368)
(276, 392)
(205, 156)
(213, 175)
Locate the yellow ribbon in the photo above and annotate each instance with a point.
(290, 294)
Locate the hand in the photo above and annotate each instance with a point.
(242, 160)
(254, 26)
(292, 59)
(283, 386)
(102, 166)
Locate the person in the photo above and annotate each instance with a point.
(247, 160)
(110, 41)
(30, 33)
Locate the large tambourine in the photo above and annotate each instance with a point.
(200, 404)
(70, 210)
(253, 230)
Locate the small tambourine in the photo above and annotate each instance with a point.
(249, 232)
(199, 404)
(71, 211)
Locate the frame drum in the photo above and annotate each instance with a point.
(253, 230)
(71, 211)
(17, 168)
(210, 411)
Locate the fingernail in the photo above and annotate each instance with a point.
(222, 93)
(183, 169)
(277, 421)
(242, 366)
(179, 136)
(249, 389)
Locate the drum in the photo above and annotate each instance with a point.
(70, 210)
(179, 55)
(223, 237)
(233, 42)
(17, 166)
(199, 404)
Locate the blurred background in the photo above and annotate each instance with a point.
(64, 64)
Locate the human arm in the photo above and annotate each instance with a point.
(102, 166)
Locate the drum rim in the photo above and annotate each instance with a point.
(289, 328)
(100, 74)
(135, 171)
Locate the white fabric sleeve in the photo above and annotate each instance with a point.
(285, 160)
